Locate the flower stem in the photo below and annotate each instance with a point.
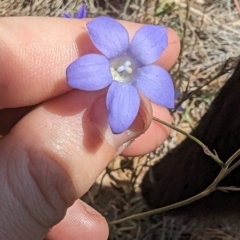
(166, 208)
(205, 148)
(225, 170)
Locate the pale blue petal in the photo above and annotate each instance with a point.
(66, 15)
(123, 103)
(148, 44)
(156, 84)
(82, 12)
(177, 94)
(108, 36)
(89, 72)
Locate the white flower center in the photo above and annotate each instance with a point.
(122, 68)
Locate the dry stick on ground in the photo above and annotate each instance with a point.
(225, 170)
(186, 95)
(183, 42)
(207, 18)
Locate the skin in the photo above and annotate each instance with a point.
(56, 140)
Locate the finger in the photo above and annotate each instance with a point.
(52, 157)
(9, 117)
(35, 53)
(81, 222)
(154, 137)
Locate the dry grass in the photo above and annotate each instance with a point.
(210, 38)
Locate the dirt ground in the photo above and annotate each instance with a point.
(210, 39)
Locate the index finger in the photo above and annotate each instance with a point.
(35, 53)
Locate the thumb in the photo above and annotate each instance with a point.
(52, 157)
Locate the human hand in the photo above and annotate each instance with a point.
(52, 156)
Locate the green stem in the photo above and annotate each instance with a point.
(205, 148)
(225, 170)
(232, 158)
(234, 166)
(211, 188)
(167, 208)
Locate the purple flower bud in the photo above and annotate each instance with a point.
(81, 13)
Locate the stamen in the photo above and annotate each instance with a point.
(127, 64)
(125, 67)
(121, 69)
(129, 70)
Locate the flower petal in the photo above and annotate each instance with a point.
(123, 103)
(156, 83)
(89, 72)
(66, 15)
(108, 36)
(82, 12)
(148, 44)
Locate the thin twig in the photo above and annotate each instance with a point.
(164, 209)
(205, 148)
(183, 40)
(190, 94)
(225, 170)
(233, 157)
(227, 189)
(206, 18)
(211, 188)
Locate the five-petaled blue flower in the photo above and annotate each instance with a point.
(81, 13)
(126, 67)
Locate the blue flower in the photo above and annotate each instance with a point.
(126, 68)
(82, 13)
(177, 96)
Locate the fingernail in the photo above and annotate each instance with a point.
(123, 147)
(89, 209)
(99, 117)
